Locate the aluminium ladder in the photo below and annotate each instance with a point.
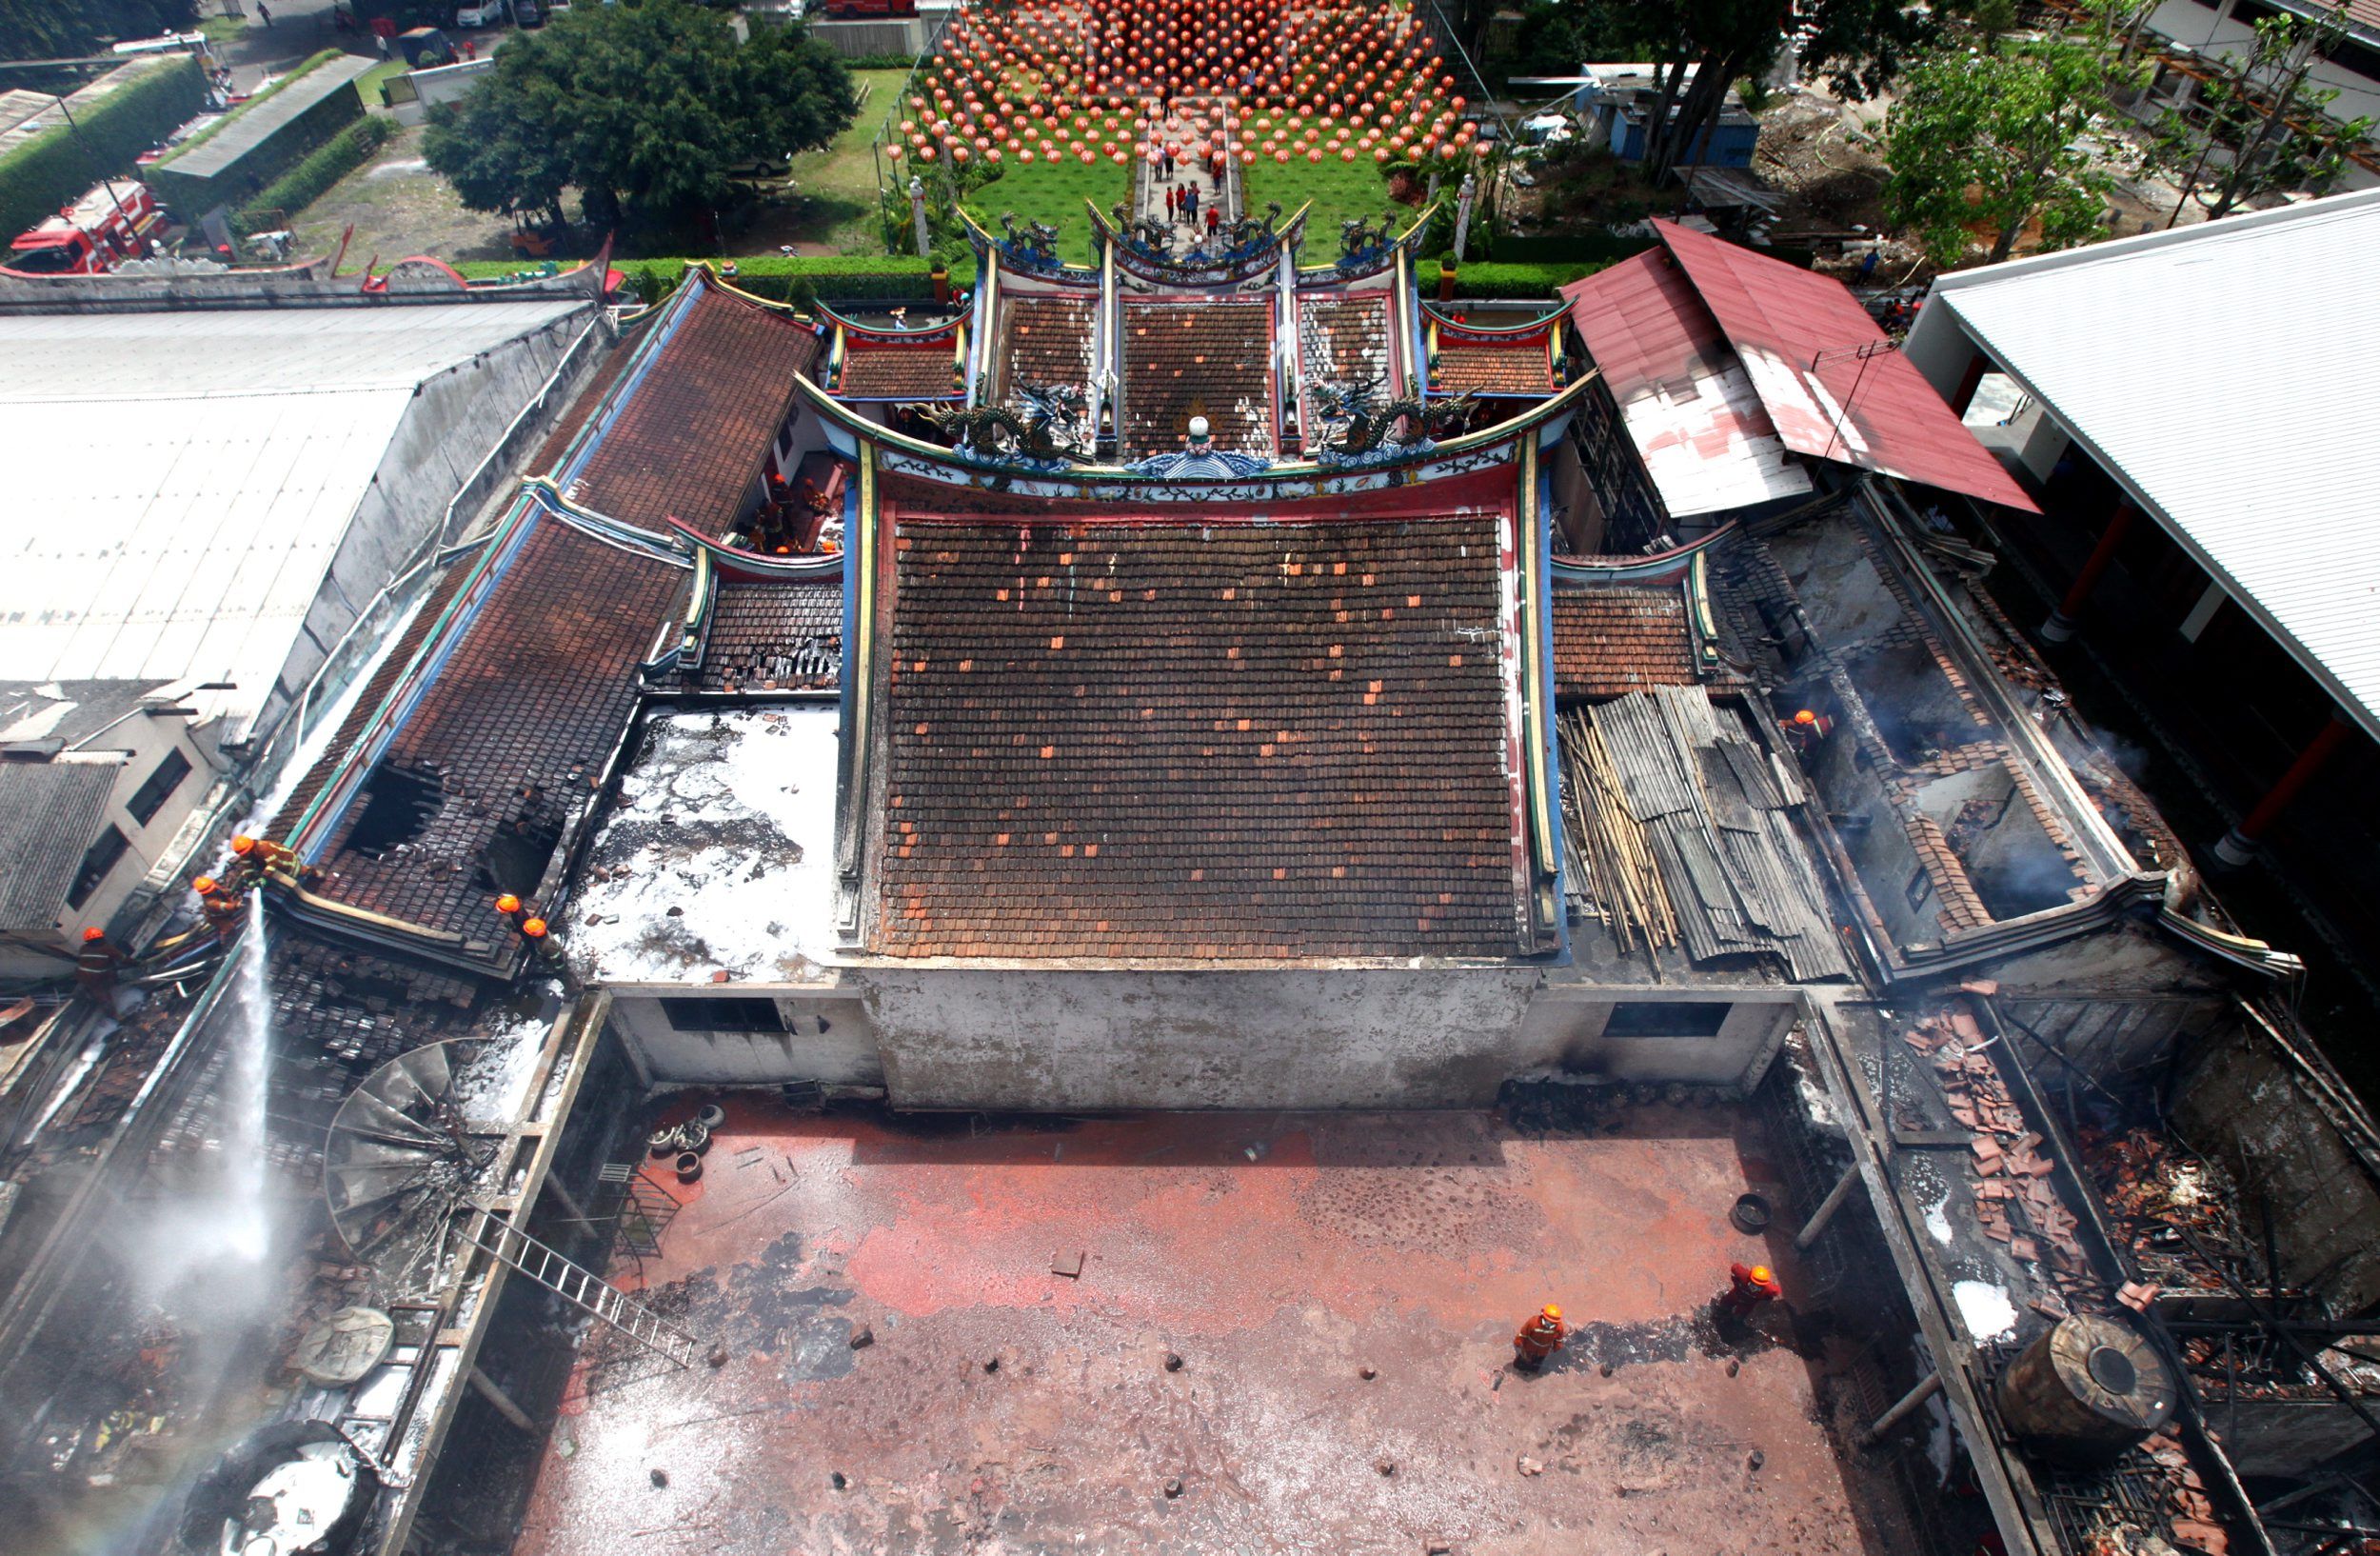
(581, 1287)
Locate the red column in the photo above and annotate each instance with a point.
(1970, 382)
(2060, 627)
(2238, 846)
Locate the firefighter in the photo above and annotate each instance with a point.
(225, 909)
(1749, 1288)
(541, 940)
(1806, 730)
(96, 964)
(511, 909)
(1538, 1338)
(254, 858)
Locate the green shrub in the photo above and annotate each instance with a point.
(1492, 280)
(55, 165)
(800, 279)
(306, 183)
(1593, 246)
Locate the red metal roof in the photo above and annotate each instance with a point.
(1780, 319)
(1689, 408)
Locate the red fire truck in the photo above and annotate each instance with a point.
(98, 232)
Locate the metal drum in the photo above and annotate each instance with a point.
(2085, 1392)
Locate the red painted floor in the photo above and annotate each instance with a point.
(1410, 1244)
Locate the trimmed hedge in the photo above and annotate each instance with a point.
(308, 182)
(1593, 246)
(54, 167)
(800, 279)
(1483, 279)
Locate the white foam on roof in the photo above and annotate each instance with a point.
(176, 485)
(2229, 398)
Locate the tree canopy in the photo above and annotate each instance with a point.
(63, 28)
(645, 108)
(1995, 141)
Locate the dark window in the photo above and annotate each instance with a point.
(97, 861)
(151, 797)
(2357, 59)
(723, 1015)
(1668, 1018)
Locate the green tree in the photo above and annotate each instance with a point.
(645, 108)
(1995, 140)
(2265, 118)
(64, 29)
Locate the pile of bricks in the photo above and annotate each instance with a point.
(2016, 1201)
(2185, 1500)
(2150, 1187)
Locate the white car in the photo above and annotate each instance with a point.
(482, 13)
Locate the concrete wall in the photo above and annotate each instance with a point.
(827, 1038)
(457, 418)
(1050, 1039)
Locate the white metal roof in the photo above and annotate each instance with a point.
(2224, 373)
(175, 486)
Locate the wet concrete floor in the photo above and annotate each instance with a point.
(1004, 1406)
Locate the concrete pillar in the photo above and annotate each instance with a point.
(485, 1388)
(1927, 1387)
(1969, 382)
(2238, 846)
(2060, 627)
(1825, 1212)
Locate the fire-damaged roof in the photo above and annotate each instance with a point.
(773, 637)
(500, 732)
(1800, 338)
(696, 412)
(1198, 739)
(1197, 358)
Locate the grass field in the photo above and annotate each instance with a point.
(1341, 191)
(832, 208)
(1053, 193)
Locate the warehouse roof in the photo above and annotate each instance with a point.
(179, 483)
(2234, 409)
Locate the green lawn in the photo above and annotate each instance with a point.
(1053, 193)
(367, 84)
(833, 204)
(1341, 191)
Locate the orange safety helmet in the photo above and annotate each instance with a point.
(1551, 1311)
(507, 903)
(1805, 716)
(534, 928)
(94, 933)
(243, 845)
(203, 886)
(1760, 1273)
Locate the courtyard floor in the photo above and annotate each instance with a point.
(1340, 1289)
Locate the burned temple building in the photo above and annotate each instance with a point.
(1041, 921)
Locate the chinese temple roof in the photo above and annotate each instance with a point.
(1198, 739)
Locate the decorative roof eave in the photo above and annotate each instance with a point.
(1372, 261)
(904, 338)
(1493, 334)
(1230, 270)
(994, 251)
(754, 567)
(1638, 571)
(906, 455)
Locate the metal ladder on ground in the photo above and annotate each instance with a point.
(581, 1287)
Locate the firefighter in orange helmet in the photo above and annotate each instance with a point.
(1540, 1337)
(253, 858)
(96, 964)
(1749, 1288)
(224, 908)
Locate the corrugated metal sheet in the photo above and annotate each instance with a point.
(1689, 409)
(1712, 816)
(2225, 373)
(177, 484)
(1796, 334)
(49, 812)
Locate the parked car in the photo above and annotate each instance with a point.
(425, 47)
(480, 13)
